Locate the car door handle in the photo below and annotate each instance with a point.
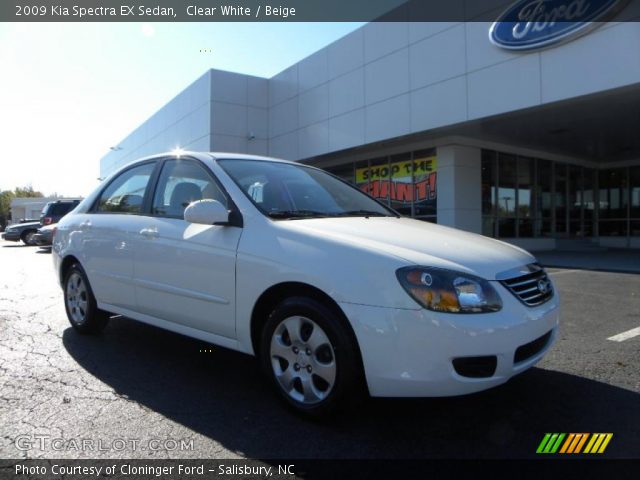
(149, 232)
(86, 225)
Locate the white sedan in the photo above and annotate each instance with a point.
(335, 293)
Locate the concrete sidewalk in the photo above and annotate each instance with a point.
(610, 260)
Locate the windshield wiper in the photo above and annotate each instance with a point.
(296, 214)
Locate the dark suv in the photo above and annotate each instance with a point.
(54, 211)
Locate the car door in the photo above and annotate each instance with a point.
(106, 233)
(185, 273)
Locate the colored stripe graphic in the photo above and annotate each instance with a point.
(607, 439)
(591, 442)
(550, 443)
(577, 437)
(581, 442)
(556, 445)
(543, 443)
(598, 443)
(574, 442)
(567, 443)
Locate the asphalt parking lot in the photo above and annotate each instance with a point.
(136, 383)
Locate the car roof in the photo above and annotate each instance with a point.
(242, 156)
(214, 155)
(203, 156)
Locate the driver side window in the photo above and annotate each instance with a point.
(182, 182)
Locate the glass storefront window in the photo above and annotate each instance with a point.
(575, 200)
(362, 175)
(401, 182)
(488, 192)
(425, 177)
(521, 196)
(407, 182)
(634, 188)
(529, 197)
(560, 199)
(379, 179)
(613, 193)
(544, 206)
(588, 201)
(525, 195)
(613, 202)
(507, 201)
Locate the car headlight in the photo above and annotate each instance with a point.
(447, 291)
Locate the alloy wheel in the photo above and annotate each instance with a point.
(303, 360)
(77, 298)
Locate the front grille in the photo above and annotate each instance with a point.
(530, 349)
(533, 288)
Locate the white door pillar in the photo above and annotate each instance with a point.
(460, 187)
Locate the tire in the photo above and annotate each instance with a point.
(311, 357)
(27, 237)
(80, 304)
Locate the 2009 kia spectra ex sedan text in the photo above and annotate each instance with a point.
(334, 292)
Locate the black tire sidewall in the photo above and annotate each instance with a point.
(24, 236)
(95, 319)
(347, 372)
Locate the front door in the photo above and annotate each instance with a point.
(185, 273)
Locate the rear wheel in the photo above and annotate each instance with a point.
(80, 304)
(27, 237)
(310, 357)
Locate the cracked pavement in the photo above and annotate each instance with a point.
(136, 383)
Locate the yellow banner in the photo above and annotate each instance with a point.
(418, 166)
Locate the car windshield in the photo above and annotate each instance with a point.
(289, 191)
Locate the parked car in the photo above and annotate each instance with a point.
(44, 236)
(21, 231)
(54, 211)
(330, 289)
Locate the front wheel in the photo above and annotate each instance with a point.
(27, 238)
(80, 304)
(311, 357)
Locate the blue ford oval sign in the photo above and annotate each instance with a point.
(531, 24)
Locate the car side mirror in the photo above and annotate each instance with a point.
(207, 212)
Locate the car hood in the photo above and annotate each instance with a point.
(418, 242)
(20, 226)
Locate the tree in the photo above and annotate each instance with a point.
(5, 207)
(5, 201)
(28, 192)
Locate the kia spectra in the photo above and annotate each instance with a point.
(336, 294)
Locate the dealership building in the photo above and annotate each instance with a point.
(538, 146)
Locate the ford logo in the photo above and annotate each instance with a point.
(531, 24)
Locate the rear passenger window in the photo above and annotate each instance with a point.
(126, 192)
(182, 182)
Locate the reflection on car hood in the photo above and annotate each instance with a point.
(419, 242)
(19, 226)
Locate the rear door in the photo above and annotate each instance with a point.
(107, 233)
(185, 273)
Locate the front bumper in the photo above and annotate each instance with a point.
(11, 236)
(410, 353)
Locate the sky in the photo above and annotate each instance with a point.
(68, 92)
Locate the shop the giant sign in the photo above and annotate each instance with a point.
(406, 181)
(531, 24)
